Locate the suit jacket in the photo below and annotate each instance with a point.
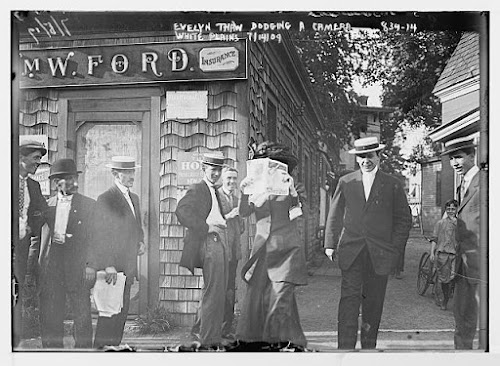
(192, 212)
(382, 223)
(468, 231)
(117, 233)
(79, 232)
(235, 226)
(36, 208)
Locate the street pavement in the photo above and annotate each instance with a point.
(410, 322)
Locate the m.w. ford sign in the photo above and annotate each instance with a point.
(132, 63)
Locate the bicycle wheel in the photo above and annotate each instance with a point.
(424, 272)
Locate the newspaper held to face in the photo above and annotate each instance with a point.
(267, 176)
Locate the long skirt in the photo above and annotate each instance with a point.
(269, 312)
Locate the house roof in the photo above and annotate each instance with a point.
(463, 63)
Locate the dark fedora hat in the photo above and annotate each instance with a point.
(457, 144)
(63, 167)
(366, 144)
(122, 163)
(214, 158)
(28, 146)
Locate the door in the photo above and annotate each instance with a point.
(103, 128)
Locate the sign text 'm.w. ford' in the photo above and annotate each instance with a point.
(134, 63)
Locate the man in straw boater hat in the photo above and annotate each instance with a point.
(118, 240)
(32, 205)
(462, 155)
(65, 240)
(206, 246)
(367, 227)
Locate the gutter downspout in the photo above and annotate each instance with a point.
(483, 181)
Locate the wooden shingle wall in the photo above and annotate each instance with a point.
(180, 291)
(38, 115)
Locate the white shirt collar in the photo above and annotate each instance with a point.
(471, 173)
(63, 197)
(370, 174)
(226, 191)
(209, 184)
(121, 187)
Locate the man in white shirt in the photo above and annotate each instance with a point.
(465, 306)
(65, 240)
(117, 241)
(31, 206)
(368, 225)
(206, 246)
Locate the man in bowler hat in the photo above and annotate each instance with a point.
(206, 246)
(31, 207)
(368, 225)
(462, 155)
(118, 240)
(64, 244)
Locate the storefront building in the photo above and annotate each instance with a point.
(104, 91)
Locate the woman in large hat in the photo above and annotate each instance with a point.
(277, 262)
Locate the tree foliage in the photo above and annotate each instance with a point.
(330, 59)
(406, 64)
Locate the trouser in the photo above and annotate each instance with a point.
(215, 274)
(109, 330)
(54, 287)
(20, 263)
(361, 286)
(465, 312)
(227, 326)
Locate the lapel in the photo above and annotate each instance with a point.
(358, 187)
(51, 211)
(471, 190)
(122, 203)
(74, 214)
(378, 184)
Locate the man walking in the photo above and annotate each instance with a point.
(465, 310)
(32, 205)
(206, 246)
(118, 240)
(368, 225)
(63, 251)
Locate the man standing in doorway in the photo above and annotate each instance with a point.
(63, 251)
(368, 225)
(206, 246)
(465, 309)
(118, 240)
(32, 206)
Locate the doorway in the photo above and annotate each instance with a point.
(105, 123)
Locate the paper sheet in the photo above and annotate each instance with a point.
(108, 298)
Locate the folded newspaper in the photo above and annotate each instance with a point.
(108, 298)
(267, 176)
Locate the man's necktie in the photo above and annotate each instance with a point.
(459, 189)
(21, 197)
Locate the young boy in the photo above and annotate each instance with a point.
(443, 249)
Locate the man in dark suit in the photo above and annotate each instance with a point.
(206, 247)
(465, 309)
(32, 204)
(118, 240)
(368, 225)
(63, 251)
